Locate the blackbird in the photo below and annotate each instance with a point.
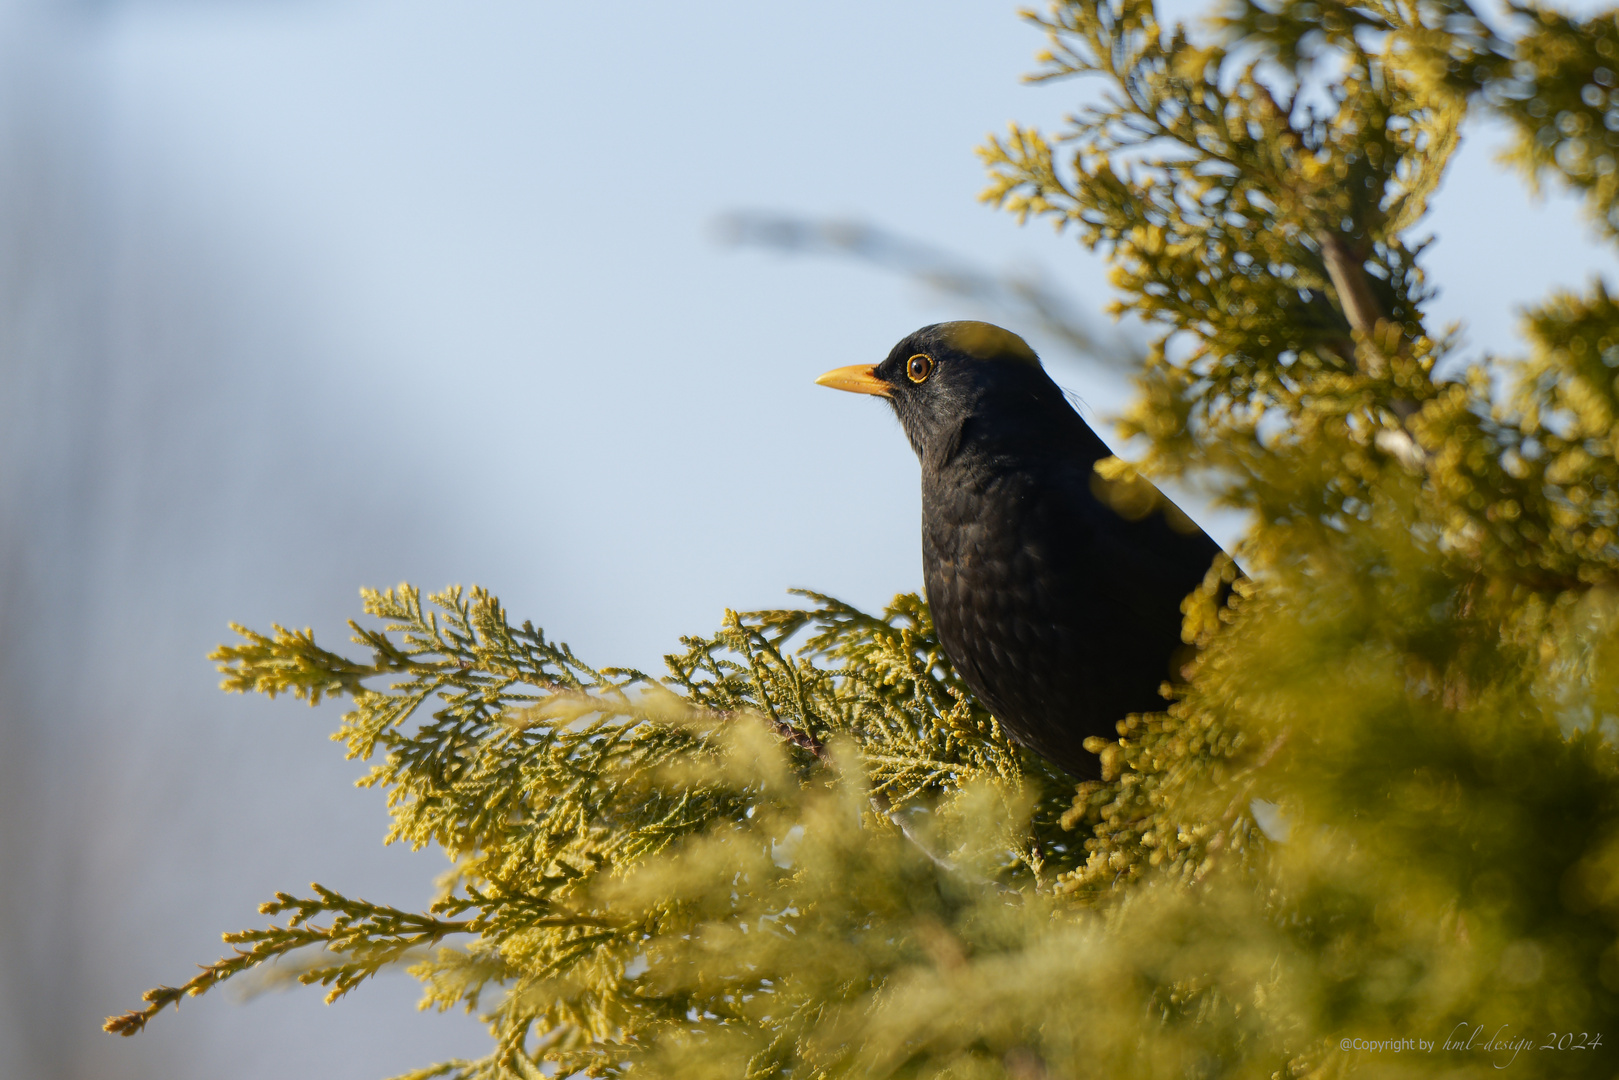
(1062, 615)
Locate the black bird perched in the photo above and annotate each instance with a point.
(1060, 614)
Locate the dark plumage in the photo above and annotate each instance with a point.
(1061, 615)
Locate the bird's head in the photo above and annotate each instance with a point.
(944, 375)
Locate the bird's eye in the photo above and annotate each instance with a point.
(919, 367)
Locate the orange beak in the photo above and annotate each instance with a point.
(857, 379)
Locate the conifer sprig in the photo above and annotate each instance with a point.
(547, 780)
(366, 937)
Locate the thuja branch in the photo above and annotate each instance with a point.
(366, 937)
(545, 778)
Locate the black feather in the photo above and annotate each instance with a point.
(1060, 614)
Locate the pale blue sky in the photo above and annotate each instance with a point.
(484, 226)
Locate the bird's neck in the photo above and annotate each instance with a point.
(991, 443)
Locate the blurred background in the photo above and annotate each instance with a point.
(297, 297)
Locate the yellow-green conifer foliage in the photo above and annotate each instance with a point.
(806, 852)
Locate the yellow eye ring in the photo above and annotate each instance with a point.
(919, 367)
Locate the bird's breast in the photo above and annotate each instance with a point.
(1000, 558)
(1059, 614)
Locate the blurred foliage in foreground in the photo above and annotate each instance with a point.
(806, 852)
